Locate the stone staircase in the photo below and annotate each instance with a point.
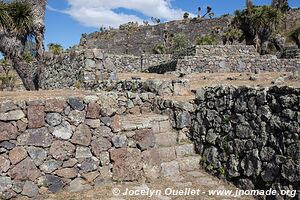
(174, 165)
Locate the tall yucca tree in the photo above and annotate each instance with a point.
(19, 20)
(282, 5)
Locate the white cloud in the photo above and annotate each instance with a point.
(96, 13)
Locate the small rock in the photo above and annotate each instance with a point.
(12, 115)
(78, 185)
(55, 105)
(77, 117)
(89, 164)
(145, 138)
(38, 155)
(53, 119)
(66, 173)
(4, 164)
(61, 150)
(93, 111)
(93, 123)
(82, 135)
(30, 189)
(54, 183)
(17, 154)
(76, 103)
(64, 131)
(50, 165)
(83, 152)
(25, 170)
(119, 141)
(36, 116)
(5, 183)
(99, 145)
(36, 137)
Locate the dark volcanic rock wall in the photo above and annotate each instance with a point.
(250, 136)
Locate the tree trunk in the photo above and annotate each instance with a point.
(30, 80)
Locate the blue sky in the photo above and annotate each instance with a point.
(66, 20)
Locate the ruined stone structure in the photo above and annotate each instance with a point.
(249, 136)
(142, 39)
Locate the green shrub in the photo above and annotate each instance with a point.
(158, 49)
(209, 39)
(7, 80)
(186, 15)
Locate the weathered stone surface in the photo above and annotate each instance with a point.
(89, 164)
(183, 119)
(190, 163)
(170, 169)
(76, 103)
(77, 117)
(30, 189)
(62, 150)
(116, 123)
(83, 152)
(7, 106)
(291, 171)
(5, 183)
(93, 123)
(82, 135)
(251, 164)
(50, 165)
(104, 158)
(63, 131)
(55, 105)
(7, 145)
(103, 131)
(99, 145)
(127, 164)
(17, 154)
(18, 186)
(22, 126)
(7, 131)
(78, 185)
(107, 121)
(4, 164)
(38, 155)
(267, 154)
(25, 170)
(245, 184)
(145, 138)
(270, 172)
(244, 131)
(119, 141)
(91, 176)
(151, 164)
(70, 163)
(12, 115)
(36, 137)
(93, 111)
(36, 116)
(167, 154)
(54, 183)
(53, 119)
(66, 173)
(185, 150)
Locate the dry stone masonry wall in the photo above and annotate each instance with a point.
(77, 67)
(250, 136)
(233, 58)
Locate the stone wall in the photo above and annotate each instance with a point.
(75, 143)
(77, 67)
(226, 51)
(250, 136)
(219, 64)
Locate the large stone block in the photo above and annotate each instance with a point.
(127, 164)
(36, 116)
(25, 170)
(36, 137)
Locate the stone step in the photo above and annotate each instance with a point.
(190, 163)
(161, 126)
(185, 150)
(167, 139)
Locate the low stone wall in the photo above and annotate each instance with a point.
(76, 67)
(219, 64)
(178, 87)
(250, 136)
(74, 143)
(207, 51)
